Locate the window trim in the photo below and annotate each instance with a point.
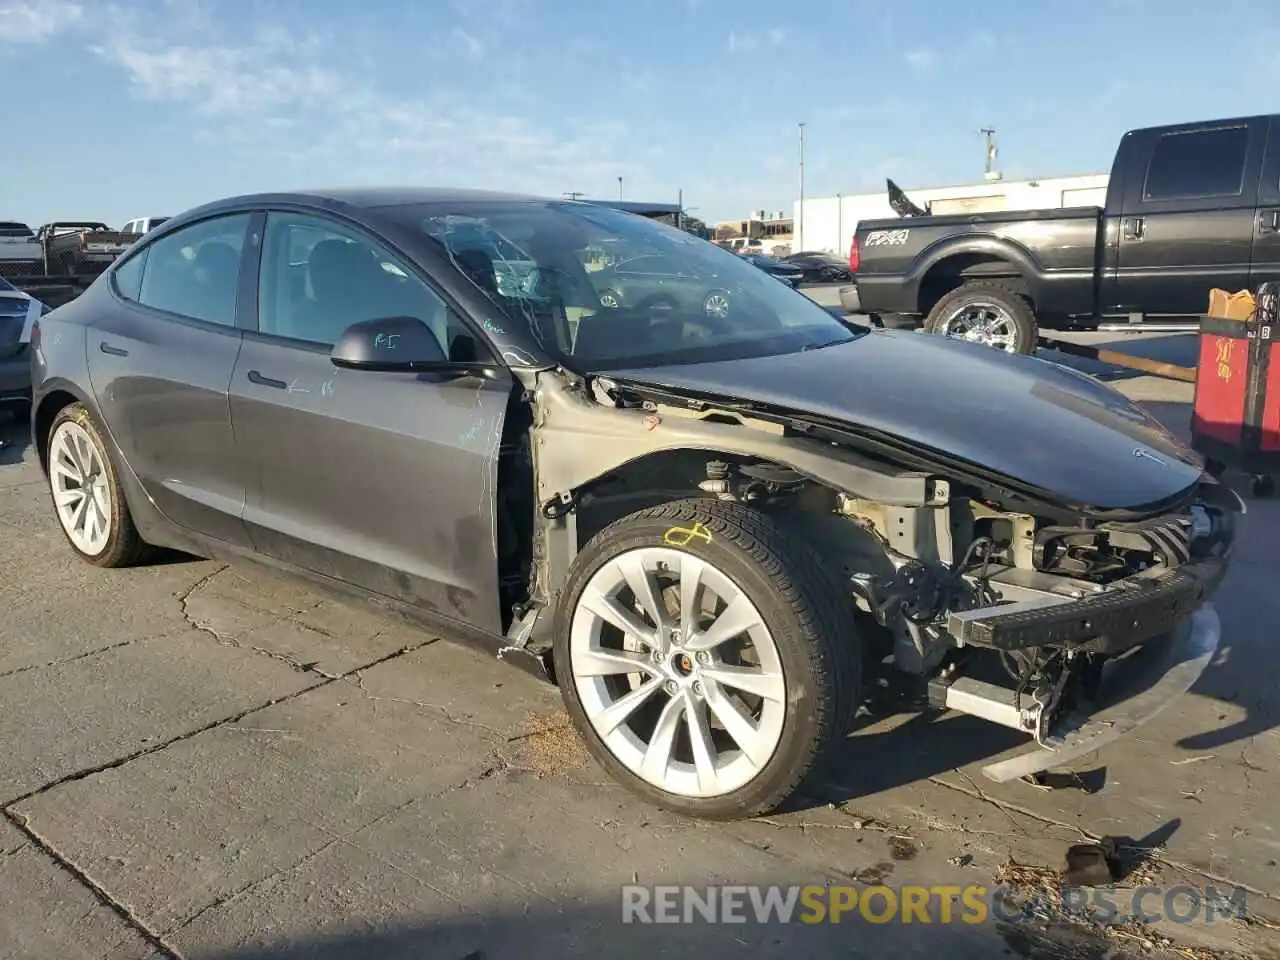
(143, 248)
(1155, 147)
(406, 262)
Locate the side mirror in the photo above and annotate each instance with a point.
(400, 344)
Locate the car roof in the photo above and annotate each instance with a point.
(371, 198)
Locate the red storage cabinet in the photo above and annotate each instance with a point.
(1235, 418)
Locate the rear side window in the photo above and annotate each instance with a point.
(1198, 163)
(195, 272)
(127, 277)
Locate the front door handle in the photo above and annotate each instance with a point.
(260, 380)
(1269, 221)
(113, 351)
(1135, 228)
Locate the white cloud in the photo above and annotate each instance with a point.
(33, 21)
(297, 107)
(921, 59)
(749, 42)
(471, 47)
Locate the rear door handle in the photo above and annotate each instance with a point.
(113, 351)
(258, 378)
(1269, 221)
(1135, 228)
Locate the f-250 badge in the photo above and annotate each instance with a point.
(886, 238)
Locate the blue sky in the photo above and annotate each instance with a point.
(112, 110)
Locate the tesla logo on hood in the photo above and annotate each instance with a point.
(1145, 455)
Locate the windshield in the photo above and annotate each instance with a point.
(606, 290)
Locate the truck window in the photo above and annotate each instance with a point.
(1198, 163)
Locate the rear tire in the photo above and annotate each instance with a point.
(1010, 325)
(804, 657)
(88, 500)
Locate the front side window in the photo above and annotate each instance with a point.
(1199, 163)
(320, 276)
(601, 289)
(194, 272)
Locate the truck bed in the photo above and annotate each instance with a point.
(907, 263)
(953, 220)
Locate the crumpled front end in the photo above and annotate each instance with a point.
(1073, 633)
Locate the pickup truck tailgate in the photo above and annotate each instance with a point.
(106, 241)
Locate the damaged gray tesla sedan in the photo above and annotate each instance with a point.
(714, 519)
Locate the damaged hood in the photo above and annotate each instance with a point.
(1039, 423)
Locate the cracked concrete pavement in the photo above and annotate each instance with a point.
(204, 761)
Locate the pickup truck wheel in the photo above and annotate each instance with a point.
(707, 658)
(989, 312)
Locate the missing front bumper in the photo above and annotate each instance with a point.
(1104, 623)
(1133, 691)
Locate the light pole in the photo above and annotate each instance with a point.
(800, 231)
(619, 188)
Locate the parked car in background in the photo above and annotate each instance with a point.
(142, 224)
(663, 281)
(788, 274)
(76, 247)
(18, 313)
(821, 267)
(1189, 207)
(20, 251)
(711, 528)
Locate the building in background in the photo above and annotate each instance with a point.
(830, 222)
(774, 230)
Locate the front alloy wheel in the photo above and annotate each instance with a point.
(699, 655)
(705, 657)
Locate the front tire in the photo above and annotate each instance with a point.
(722, 714)
(991, 312)
(87, 497)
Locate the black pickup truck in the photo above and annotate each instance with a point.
(1189, 207)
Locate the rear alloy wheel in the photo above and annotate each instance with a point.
(990, 312)
(86, 492)
(705, 657)
(611, 299)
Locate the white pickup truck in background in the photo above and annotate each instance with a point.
(142, 224)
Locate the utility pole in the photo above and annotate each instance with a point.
(619, 188)
(990, 134)
(800, 231)
(573, 195)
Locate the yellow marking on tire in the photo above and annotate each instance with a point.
(683, 536)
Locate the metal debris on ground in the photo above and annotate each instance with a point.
(1091, 865)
